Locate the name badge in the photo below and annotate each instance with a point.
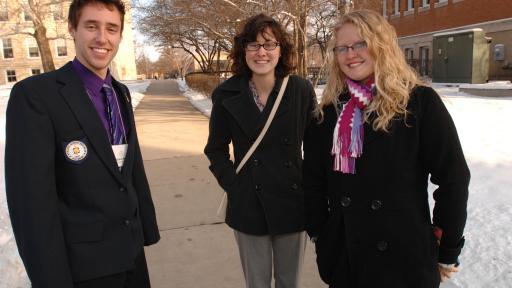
(120, 154)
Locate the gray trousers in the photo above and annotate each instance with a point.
(259, 253)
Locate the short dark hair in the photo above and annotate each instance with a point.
(76, 8)
(252, 27)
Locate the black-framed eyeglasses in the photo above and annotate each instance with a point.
(356, 47)
(255, 46)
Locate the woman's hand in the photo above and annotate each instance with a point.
(446, 271)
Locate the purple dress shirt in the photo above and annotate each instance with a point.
(93, 84)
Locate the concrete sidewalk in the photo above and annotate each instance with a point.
(196, 249)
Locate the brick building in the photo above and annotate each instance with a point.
(19, 53)
(417, 21)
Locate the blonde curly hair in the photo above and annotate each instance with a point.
(394, 78)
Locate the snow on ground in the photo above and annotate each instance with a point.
(11, 268)
(483, 127)
(485, 135)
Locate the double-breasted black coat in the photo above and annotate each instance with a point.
(374, 228)
(266, 197)
(74, 219)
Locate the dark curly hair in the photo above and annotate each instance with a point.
(76, 6)
(252, 27)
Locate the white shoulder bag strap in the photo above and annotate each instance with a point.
(221, 211)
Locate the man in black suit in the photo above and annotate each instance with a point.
(77, 192)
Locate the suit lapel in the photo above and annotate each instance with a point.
(75, 95)
(243, 108)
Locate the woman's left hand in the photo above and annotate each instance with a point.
(447, 271)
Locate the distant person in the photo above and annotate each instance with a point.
(78, 196)
(380, 134)
(266, 200)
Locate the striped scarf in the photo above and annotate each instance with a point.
(347, 143)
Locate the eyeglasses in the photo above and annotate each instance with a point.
(356, 47)
(255, 46)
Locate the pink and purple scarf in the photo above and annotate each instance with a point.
(347, 143)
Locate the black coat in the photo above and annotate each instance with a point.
(266, 197)
(374, 228)
(73, 220)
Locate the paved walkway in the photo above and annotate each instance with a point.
(196, 250)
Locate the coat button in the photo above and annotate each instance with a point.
(294, 186)
(256, 162)
(127, 222)
(121, 189)
(286, 141)
(345, 201)
(257, 187)
(288, 164)
(382, 246)
(376, 205)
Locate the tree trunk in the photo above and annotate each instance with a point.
(40, 34)
(44, 48)
(300, 30)
(218, 59)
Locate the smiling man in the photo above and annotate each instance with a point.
(77, 192)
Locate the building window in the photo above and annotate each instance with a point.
(33, 50)
(4, 13)
(410, 4)
(62, 48)
(385, 8)
(397, 7)
(27, 16)
(57, 12)
(424, 61)
(11, 75)
(425, 3)
(35, 71)
(7, 48)
(409, 57)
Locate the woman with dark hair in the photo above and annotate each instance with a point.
(265, 198)
(382, 135)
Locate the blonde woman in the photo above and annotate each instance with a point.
(380, 134)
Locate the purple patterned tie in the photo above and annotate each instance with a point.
(113, 116)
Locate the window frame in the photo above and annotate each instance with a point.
(4, 48)
(32, 71)
(4, 11)
(7, 76)
(28, 41)
(57, 47)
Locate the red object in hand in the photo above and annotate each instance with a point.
(438, 232)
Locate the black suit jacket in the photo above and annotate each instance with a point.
(73, 220)
(266, 196)
(377, 222)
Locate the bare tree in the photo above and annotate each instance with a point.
(204, 28)
(32, 19)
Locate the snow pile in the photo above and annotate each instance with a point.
(202, 103)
